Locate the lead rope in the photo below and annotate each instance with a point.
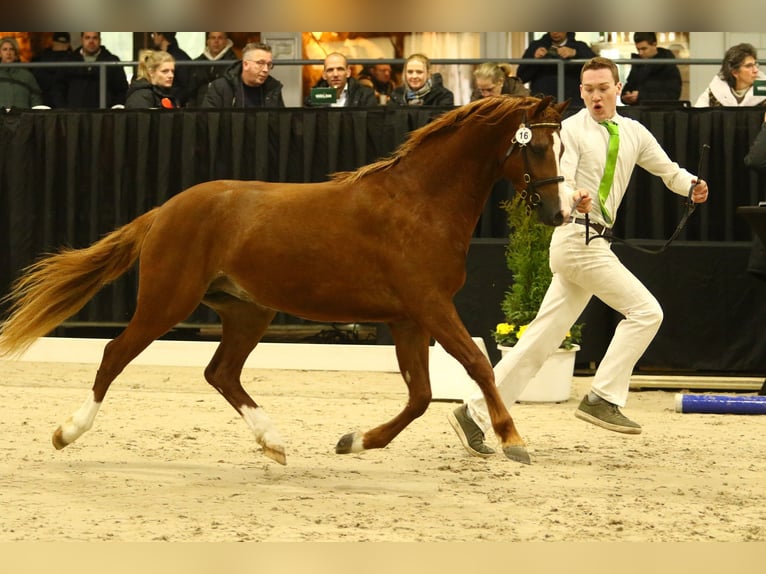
(690, 207)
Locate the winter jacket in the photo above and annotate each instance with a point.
(18, 88)
(543, 78)
(201, 76)
(53, 80)
(359, 96)
(143, 94)
(227, 91)
(654, 82)
(83, 82)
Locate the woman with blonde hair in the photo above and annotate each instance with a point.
(18, 87)
(491, 79)
(152, 86)
(420, 87)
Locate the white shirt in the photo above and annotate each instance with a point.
(585, 146)
(341, 101)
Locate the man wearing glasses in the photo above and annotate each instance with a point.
(247, 83)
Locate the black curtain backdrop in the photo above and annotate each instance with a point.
(69, 177)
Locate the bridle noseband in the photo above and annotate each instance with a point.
(520, 140)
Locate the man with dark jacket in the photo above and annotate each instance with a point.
(543, 78)
(348, 91)
(247, 84)
(83, 82)
(218, 49)
(53, 80)
(656, 82)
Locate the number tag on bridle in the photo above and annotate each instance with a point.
(523, 135)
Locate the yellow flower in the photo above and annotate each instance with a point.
(504, 329)
(521, 330)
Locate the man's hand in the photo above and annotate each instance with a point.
(699, 193)
(582, 201)
(629, 97)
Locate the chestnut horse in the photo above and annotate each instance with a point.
(386, 243)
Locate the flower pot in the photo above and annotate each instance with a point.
(553, 382)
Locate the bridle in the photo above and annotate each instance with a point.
(520, 140)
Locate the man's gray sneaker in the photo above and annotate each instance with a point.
(469, 432)
(606, 415)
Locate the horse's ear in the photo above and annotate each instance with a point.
(544, 102)
(560, 107)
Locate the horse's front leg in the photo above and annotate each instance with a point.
(450, 332)
(411, 343)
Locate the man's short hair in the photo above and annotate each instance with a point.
(648, 37)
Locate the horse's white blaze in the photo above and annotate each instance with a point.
(259, 422)
(81, 420)
(564, 199)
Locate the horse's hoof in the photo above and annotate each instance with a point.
(345, 444)
(58, 439)
(276, 453)
(518, 454)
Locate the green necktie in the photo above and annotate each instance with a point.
(611, 160)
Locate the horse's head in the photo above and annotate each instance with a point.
(531, 160)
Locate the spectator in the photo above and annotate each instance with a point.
(349, 92)
(420, 87)
(378, 77)
(18, 87)
(492, 79)
(248, 83)
(733, 84)
(654, 82)
(53, 81)
(543, 79)
(182, 84)
(153, 85)
(83, 82)
(218, 48)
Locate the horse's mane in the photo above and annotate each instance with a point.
(488, 110)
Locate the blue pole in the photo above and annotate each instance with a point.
(721, 404)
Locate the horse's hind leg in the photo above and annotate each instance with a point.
(243, 325)
(412, 353)
(156, 313)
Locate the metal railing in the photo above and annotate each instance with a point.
(558, 63)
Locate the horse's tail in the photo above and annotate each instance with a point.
(59, 285)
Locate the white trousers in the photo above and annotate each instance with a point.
(579, 272)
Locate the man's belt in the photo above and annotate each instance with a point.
(597, 227)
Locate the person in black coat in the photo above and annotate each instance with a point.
(83, 82)
(543, 79)
(420, 87)
(52, 81)
(657, 82)
(153, 85)
(756, 265)
(219, 49)
(247, 83)
(349, 92)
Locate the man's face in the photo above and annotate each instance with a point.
(382, 73)
(216, 41)
(256, 66)
(646, 50)
(335, 71)
(599, 92)
(91, 43)
(558, 37)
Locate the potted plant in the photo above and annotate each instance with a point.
(527, 259)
